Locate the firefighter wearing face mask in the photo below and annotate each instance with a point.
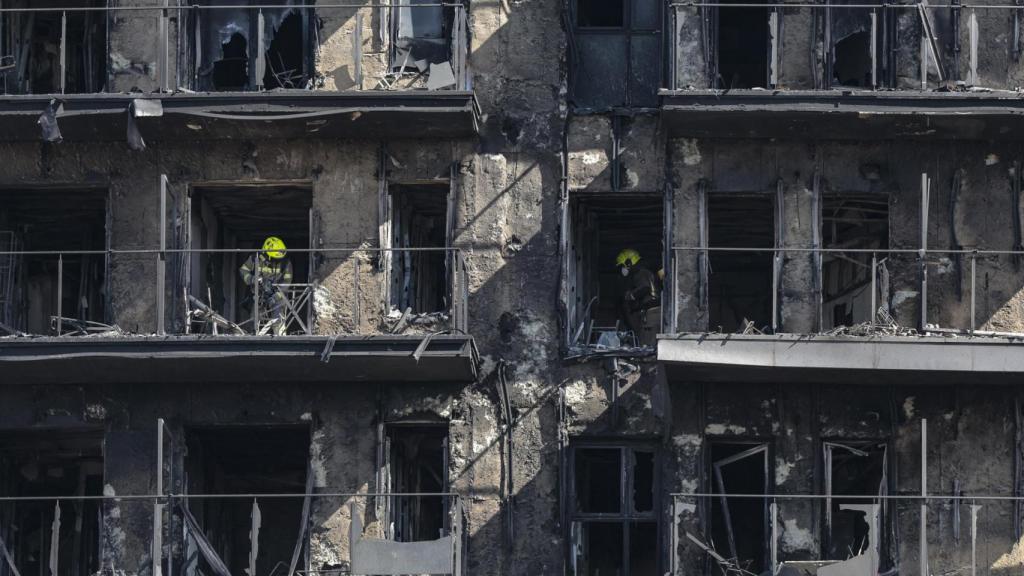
(640, 288)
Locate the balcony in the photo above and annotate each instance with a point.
(885, 71)
(242, 498)
(320, 327)
(237, 71)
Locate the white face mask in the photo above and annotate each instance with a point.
(624, 270)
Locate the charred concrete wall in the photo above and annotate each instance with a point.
(803, 47)
(796, 419)
(971, 206)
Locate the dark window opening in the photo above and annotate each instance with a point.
(742, 46)
(851, 63)
(610, 309)
(48, 464)
(247, 460)
(243, 217)
(231, 70)
(739, 526)
(422, 30)
(598, 480)
(418, 465)
(740, 283)
(857, 223)
(617, 54)
(286, 55)
(854, 469)
(229, 51)
(614, 527)
(52, 220)
(30, 48)
(419, 219)
(600, 13)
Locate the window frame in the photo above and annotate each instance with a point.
(626, 515)
(257, 45)
(886, 515)
(750, 443)
(628, 30)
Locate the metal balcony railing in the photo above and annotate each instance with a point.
(238, 47)
(853, 45)
(284, 308)
(869, 520)
(954, 274)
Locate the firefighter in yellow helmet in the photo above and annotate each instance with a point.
(639, 288)
(268, 269)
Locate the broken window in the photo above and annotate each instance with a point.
(743, 44)
(855, 468)
(740, 282)
(738, 527)
(247, 48)
(856, 40)
(226, 217)
(617, 56)
(601, 227)
(614, 527)
(856, 222)
(52, 52)
(421, 230)
(48, 464)
(246, 460)
(33, 287)
(418, 464)
(421, 29)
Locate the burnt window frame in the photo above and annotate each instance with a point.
(626, 515)
(884, 38)
(751, 444)
(192, 46)
(823, 199)
(398, 65)
(387, 506)
(104, 295)
(772, 23)
(629, 30)
(572, 253)
(887, 514)
(84, 518)
(84, 9)
(185, 225)
(705, 192)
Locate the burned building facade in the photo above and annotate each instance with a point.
(450, 379)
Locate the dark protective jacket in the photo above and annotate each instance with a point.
(272, 271)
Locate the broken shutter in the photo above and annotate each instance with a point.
(816, 224)
(668, 290)
(568, 288)
(702, 255)
(314, 263)
(778, 257)
(384, 208)
(161, 264)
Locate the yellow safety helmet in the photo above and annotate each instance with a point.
(627, 256)
(274, 247)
